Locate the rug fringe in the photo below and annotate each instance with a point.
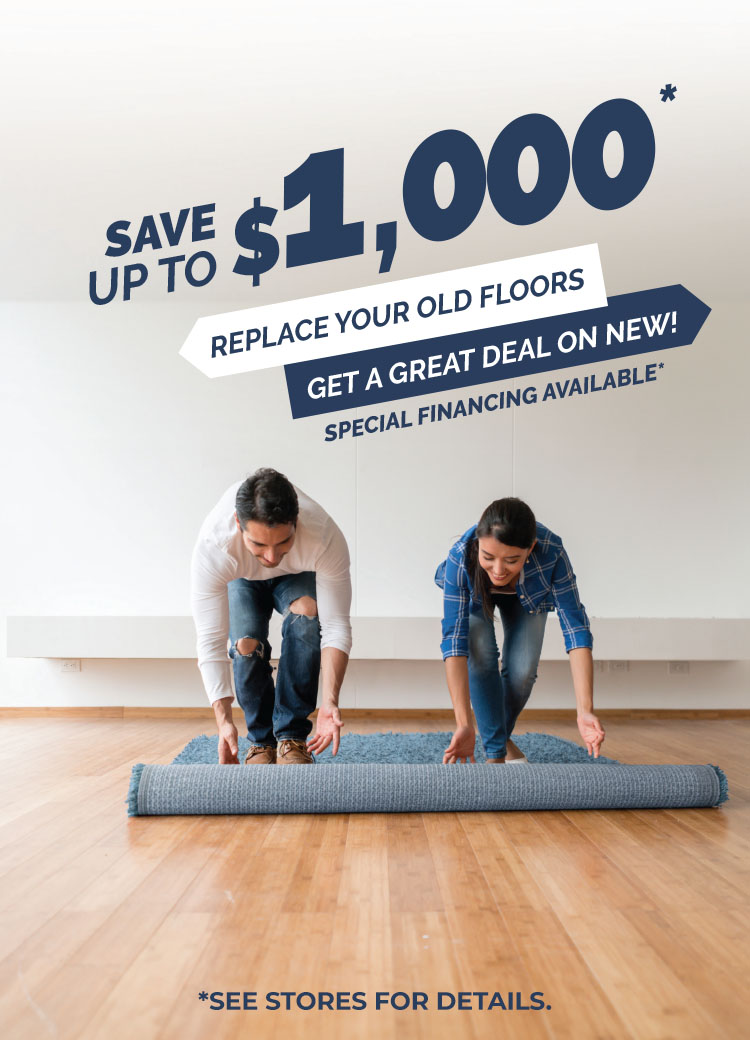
(135, 780)
(723, 784)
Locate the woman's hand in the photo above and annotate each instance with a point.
(592, 732)
(327, 728)
(461, 746)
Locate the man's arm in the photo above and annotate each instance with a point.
(227, 732)
(210, 572)
(333, 587)
(328, 722)
(333, 664)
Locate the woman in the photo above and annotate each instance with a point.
(511, 562)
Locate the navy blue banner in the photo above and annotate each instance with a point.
(631, 324)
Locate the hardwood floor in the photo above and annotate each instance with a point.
(632, 924)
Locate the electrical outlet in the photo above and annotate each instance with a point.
(679, 667)
(70, 666)
(619, 666)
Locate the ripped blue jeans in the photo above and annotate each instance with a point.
(279, 712)
(498, 694)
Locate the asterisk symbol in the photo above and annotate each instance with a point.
(203, 995)
(668, 92)
(661, 364)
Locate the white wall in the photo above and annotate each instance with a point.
(115, 448)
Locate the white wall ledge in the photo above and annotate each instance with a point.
(378, 638)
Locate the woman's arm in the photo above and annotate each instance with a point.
(455, 650)
(576, 631)
(582, 670)
(462, 744)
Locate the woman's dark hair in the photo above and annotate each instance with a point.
(507, 520)
(268, 498)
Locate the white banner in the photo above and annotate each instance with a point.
(467, 299)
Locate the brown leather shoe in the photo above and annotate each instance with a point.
(261, 755)
(294, 753)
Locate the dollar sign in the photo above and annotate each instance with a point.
(249, 236)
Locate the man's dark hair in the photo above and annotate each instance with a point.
(268, 498)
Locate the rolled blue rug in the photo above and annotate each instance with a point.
(211, 789)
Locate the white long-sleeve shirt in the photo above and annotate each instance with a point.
(220, 556)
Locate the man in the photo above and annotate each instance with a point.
(267, 546)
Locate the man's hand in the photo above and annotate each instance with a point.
(327, 728)
(592, 732)
(227, 732)
(461, 746)
(228, 744)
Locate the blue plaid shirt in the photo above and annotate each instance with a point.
(546, 583)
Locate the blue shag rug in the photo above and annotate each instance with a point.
(404, 748)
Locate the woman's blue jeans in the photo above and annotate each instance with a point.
(280, 712)
(498, 694)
